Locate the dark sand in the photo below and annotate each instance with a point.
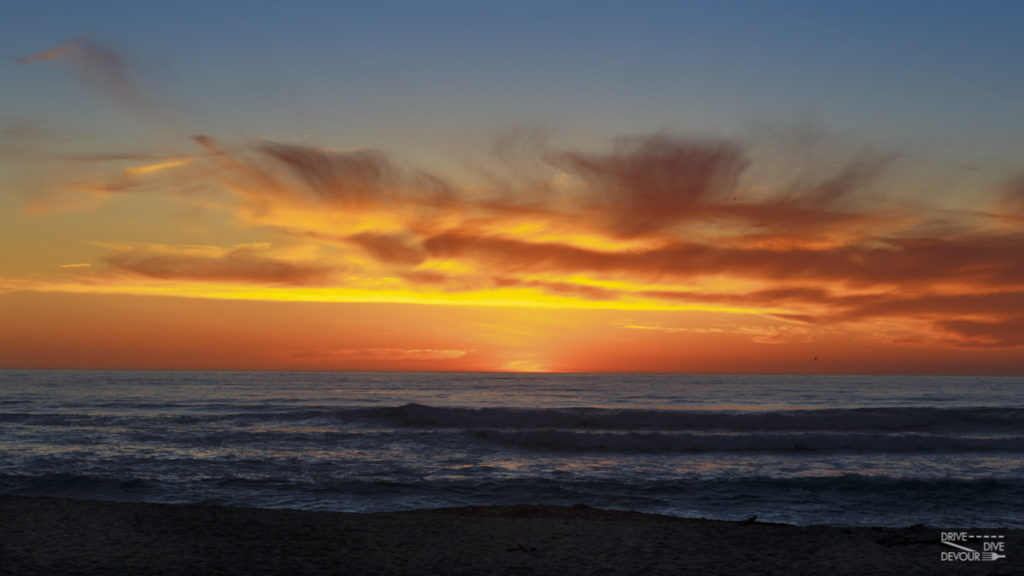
(40, 536)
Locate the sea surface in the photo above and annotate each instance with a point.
(840, 450)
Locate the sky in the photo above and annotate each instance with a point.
(688, 186)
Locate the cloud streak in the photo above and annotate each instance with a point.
(98, 66)
(389, 354)
(242, 264)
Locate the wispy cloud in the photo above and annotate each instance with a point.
(101, 68)
(378, 354)
(660, 220)
(95, 179)
(242, 264)
(656, 219)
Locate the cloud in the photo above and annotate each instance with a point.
(779, 334)
(345, 179)
(654, 219)
(55, 177)
(646, 189)
(100, 67)
(379, 354)
(1002, 333)
(104, 176)
(658, 327)
(665, 220)
(1011, 201)
(242, 264)
(656, 215)
(986, 260)
(24, 130)
(650, 184)
(960, 318)
(574, 290)
(390, 248)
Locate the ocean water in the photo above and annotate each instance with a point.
(843, 450)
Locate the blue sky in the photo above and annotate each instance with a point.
(411, 75)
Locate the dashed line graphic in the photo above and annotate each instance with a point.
(993, 547)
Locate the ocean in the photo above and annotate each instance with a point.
(836, 450)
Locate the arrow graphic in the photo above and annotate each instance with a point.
(959, 546)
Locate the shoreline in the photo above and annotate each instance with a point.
(40, 535)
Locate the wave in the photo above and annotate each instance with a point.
(229, 441)
(70, 481)
(849, 499)
(69, 484)
(976, 420)
(910, 419)
(652, 442)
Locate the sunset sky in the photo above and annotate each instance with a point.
(728, 186)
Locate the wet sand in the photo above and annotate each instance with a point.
(40, 536)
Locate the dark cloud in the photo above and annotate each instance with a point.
(649, 184)
(645, 186)
(348, 179)
(991, 319)
(390, 248)
(271, 177)
(1001, 333)
(100, 67)
(988, 260)
(243, 264)
(852, 177)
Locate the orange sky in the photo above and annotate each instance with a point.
(657, 252)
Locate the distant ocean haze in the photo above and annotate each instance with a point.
(845, 450)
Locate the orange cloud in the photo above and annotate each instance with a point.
(653, 220)
(658, 221)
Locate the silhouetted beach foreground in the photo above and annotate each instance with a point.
(59, 536)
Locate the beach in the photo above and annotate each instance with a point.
(64, 536)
